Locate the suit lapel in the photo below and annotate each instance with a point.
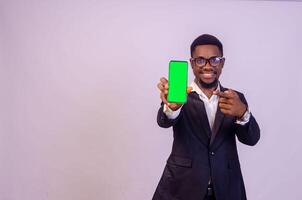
(217, 123)
(203, 122)
(218, 120)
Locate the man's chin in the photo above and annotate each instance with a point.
(208, 84)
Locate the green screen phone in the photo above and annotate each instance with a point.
(178, 78)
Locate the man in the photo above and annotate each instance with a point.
(204, 161)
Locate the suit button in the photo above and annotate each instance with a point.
(212, 153)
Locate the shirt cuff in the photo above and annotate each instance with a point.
(170, 113)
(245, 118)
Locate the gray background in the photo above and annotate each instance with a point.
(79, 100)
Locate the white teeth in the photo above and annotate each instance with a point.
(208, 75)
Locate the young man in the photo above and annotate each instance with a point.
(204, 161)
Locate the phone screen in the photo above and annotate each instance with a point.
(178, 78)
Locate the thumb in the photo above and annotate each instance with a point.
(189, 89)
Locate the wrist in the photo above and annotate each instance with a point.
(173, 106)
(245, 118)
(243, 111)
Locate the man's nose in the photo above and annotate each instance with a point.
(207, 66)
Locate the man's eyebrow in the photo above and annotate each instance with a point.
(208, 57)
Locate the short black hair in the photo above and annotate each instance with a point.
(206, 39)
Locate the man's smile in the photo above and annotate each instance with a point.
(208, 74)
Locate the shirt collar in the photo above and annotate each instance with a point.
(195, 88)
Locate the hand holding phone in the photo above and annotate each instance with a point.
(164, 85)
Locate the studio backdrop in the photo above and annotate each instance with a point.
(79, 100)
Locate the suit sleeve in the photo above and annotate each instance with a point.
(249, 133)
(162, 119)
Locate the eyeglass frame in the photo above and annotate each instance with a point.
(208, 60)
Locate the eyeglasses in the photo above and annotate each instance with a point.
(213, 61)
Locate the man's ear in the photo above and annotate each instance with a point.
(191, 62)
(223, 61)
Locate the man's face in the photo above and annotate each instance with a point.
(207, 75)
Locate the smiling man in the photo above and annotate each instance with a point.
(204, 161)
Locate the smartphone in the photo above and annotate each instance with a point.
(178, 78)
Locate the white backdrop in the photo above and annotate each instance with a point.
(79, 99)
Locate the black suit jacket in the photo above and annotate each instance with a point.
(199, 153)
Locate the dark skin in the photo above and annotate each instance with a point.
(229, 101)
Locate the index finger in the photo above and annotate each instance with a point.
(225, 94)
(163, 80)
